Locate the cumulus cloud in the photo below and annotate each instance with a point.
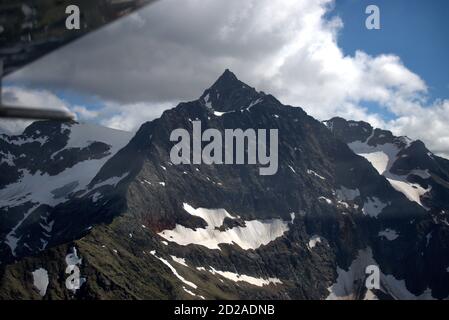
(173, 50)
(131, 116)
(85, 113)
(429, 124)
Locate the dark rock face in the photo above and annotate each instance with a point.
(228, 232)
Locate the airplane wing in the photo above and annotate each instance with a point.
(29, 29)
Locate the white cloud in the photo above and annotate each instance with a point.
(429, 124)
(130, 117)
(85, 113)
(172, 52)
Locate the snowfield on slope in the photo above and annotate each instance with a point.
(382, 157)
(254, 234)
(39, 188)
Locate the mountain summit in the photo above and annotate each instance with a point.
(345, 197)
(229, 94)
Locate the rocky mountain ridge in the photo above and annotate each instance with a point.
(144, 228)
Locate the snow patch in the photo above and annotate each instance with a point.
(311, 172)
(180, 260)
(21, 141)
(213, 217)
(7, 158)
(345, 194)
(207, 101)
(369, 295)
(412, 191)
(40, 280)
(327, 200)
(254, 234)
(329, 125)
(192, 294)
(292, 217)
(113, 182)
(173, 270)
(382, 157)
(373, 207)
(218, 113)
(253, 103)
(96, 196)
(389, 234)
(259, 282)
(11, 238)
(313, 241)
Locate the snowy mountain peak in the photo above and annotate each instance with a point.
(228, 93)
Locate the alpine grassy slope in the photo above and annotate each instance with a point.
(139, 227)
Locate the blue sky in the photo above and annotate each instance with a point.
(415, 30)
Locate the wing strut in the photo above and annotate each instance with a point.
(30, 113)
